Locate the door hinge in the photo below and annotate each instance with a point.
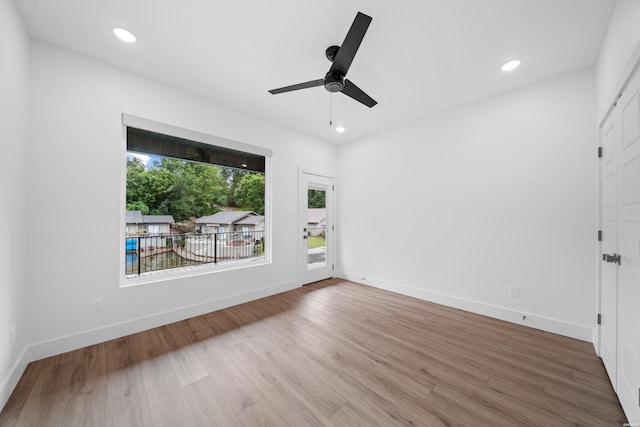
(599, 235)
(599, 152)
(333, 227)
(599, 320)
(333, 187)
(615, 103)
(333, 267)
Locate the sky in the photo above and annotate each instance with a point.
(146, 159)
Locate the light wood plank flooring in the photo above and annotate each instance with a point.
(332, 353)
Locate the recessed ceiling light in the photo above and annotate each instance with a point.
(124, 35)
(511, 65)
(340, 129)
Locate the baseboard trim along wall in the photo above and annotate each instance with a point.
(63, 344)
(9, 383)
(547, 324)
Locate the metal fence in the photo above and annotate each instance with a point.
(147, 253)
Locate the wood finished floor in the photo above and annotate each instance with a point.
(332, 353)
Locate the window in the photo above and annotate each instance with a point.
(179, 185)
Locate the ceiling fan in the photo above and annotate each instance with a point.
(341, 57)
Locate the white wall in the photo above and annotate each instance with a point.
(621, 41)
(14, 94)
(504, 192)
(77, 160)
(503, 188)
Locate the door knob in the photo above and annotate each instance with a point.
(615, 258)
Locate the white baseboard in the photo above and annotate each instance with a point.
(9, 383)
(596, 340)
(572, 330)
(63, 344)
(82, 339)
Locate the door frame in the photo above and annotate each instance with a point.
(626, 391)
(306, 276)
(608, 242)
(598, 255)
(632, 65)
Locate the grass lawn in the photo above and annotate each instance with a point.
(316, 241)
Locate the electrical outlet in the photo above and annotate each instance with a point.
(97, 305)
(13, 334)
(514, 291)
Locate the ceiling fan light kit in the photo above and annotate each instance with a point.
(341, 57)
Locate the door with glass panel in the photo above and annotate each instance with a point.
(315, 227)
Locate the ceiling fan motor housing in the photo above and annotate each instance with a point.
(331, 52)
(333, 82)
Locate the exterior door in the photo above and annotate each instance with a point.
(628, 386)
(316, 230)
(620, 277)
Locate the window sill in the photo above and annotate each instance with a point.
(190, 271)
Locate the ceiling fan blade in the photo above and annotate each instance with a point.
(312, 83)
(351, 43)
(353, 91)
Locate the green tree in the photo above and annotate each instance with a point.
(232, 178)
(179, 188)
(250, 193)
(138, 206)
(316, 198)
(194, 189)
(158, 184)
(135, 181)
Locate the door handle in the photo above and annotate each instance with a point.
(615, 258)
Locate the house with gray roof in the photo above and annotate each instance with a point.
(316, 221)
(133, 218)
(230, 221)
(148, 224)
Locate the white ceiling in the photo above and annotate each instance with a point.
(418, 56)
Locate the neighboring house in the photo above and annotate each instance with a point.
(134, 222)
(316, 221)
(148, 224)
(230, 221)
(158, 224)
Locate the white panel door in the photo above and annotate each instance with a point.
(315, 224)
(609, 271)
(628, 384)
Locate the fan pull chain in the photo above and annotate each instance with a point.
(330, 109)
